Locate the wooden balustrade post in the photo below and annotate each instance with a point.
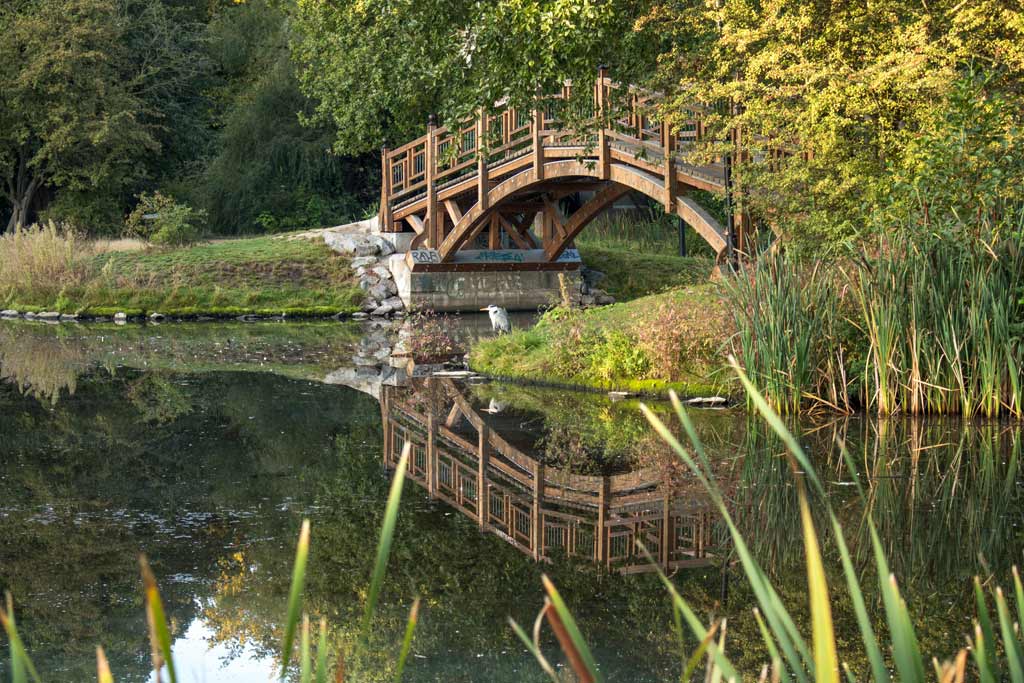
(482, 495)
(483, 186)
(666, 528)
(538, 514)
(600, 532)
(387, 221)
(431, 452)
(668, 146)
(603, 158)
(389, 427)
(538, 140)
(435, 232)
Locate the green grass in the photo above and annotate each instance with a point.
(260, 275)
(673, 340)
(633, 274)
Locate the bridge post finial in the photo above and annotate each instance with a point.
(432, 121)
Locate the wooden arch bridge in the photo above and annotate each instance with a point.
(487, 193)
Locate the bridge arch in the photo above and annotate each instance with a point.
(560, 175)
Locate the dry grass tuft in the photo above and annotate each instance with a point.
(44, 258)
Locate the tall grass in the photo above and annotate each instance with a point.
(926, 325)
(943, 327)
(43, 259)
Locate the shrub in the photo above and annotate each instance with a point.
(160, 220)
(43, 260)
(683, 334)
(429, 339)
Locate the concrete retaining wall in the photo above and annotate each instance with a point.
(471, 291)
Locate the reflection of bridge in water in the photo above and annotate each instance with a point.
(459, 457)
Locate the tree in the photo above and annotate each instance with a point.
(852, 85)
(267, 169)
(71, 111)
(379, 67)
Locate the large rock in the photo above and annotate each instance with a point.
(381, 291)
(363, 262)
(383, 272)
(358, 245)
(382, 311)
(49, 315)
(368, 282)
(120, 317)
(9, 314)
(395, 303)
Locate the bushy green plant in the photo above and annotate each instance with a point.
(159, 219)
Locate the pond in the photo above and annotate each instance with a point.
(205, 445)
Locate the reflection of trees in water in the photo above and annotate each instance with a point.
(40, 365)
(941, 492)
(86, 485)
(46, 361)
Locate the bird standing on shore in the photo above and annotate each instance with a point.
(499, 319)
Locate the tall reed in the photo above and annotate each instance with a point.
(942, 326)
(785, 314)
(996, 646)
(935, 327)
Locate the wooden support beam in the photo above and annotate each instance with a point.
(416, 223)
(601, 532)
(387, 221)
(454, 212)
(494, 233)
(514, 232)
(668, 147)
(582, 217)
(453, 417)
(538, 513)
(538, 141)
(555, 216)
(431, 452)
(604, 164)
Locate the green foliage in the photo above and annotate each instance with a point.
(88, 87)
(159, 219)
(269, 172)
(866, 90)
(396, 63)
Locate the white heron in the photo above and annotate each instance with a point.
(499, 318)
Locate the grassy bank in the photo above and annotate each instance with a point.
(657, 342)
(46, 270)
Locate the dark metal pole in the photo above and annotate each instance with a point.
(682, 237)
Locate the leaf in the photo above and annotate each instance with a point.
(294, 609)
(387, 534)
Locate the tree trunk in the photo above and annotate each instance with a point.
(21, 193)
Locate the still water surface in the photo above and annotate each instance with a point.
(205, 445)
